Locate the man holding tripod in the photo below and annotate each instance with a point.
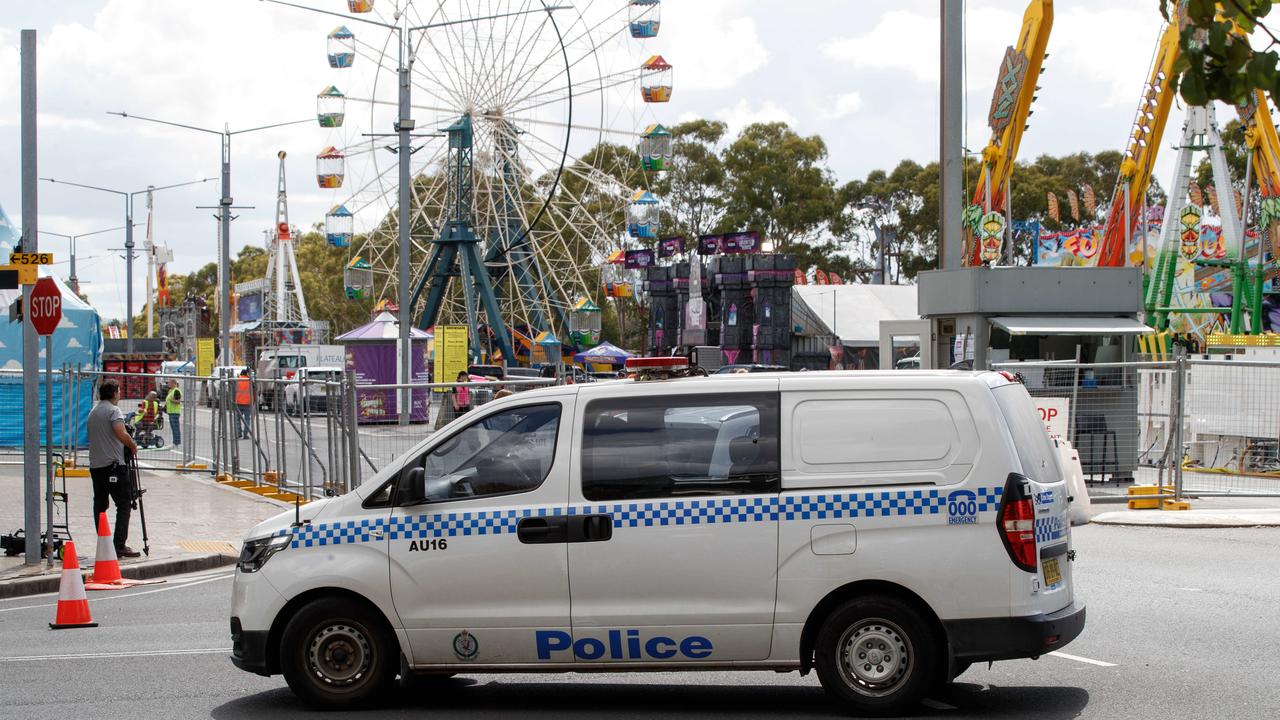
(108, 441)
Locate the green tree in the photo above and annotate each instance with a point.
(693, 190)
(1217, 61)
(777, 183)
(905, 202)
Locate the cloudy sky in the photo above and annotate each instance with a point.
(861, 73)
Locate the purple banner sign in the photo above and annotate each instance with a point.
(709, 244)
(671, 246)
(739, 243)
(375, 364)
(638, 259)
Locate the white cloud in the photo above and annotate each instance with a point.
(743, 114)
(711, 47)
(74, 343)
(844, 106)
(906, 41)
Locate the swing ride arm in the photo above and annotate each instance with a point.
(1010, 107)
(1260, 136)
(1144, 146)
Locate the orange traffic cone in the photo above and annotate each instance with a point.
(106, 567)
(73, 604)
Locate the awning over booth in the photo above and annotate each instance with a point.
(383, 327)
(603, 354)
(1069, 325)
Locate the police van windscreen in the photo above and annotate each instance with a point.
(1035, 449)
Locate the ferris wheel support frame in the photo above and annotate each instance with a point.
(457, 242)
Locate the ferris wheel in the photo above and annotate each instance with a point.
(534, 128)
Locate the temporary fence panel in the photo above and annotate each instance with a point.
(1099, 409)
(1204, 427)
(1232, 427)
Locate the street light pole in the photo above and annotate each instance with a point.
(404, 126)
(224, 208)
(128, 240)
(72, 280)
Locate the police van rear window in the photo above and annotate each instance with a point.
(1032, 443)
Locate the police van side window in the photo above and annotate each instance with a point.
(665, 446)
(509, 452)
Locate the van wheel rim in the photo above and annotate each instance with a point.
(875, 657)
(339, 655)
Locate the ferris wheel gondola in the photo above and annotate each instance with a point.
(341, 47)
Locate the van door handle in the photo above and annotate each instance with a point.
(590, 528)
(542, 530)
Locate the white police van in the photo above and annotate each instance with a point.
(884, 528)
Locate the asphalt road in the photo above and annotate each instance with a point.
(1182, 624)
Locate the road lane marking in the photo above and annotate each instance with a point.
(178, 586)
(122, 654)
(1077, 658)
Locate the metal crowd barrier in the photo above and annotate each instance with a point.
(1203, 427)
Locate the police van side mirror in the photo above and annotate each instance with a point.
(413, 487)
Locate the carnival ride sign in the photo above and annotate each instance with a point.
(1013, 72)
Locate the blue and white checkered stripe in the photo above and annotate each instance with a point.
(685, 512)
(1049, 529)
(658, 513)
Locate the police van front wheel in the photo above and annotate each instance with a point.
(875, 656)
(336, 654)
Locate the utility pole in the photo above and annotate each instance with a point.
(30, 352)
(951, 165)
(128, 238)
(224, 208)
(72, 281)
(404, 127)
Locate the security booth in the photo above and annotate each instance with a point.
(981, 317)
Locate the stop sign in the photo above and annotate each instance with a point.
(46, 306)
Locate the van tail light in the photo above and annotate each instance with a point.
(1017, 522)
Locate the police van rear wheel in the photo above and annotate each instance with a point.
(875, 656)
(335, 654)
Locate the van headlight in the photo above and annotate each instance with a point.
(256, 553)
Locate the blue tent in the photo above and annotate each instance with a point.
(76, 341)
(603, 354)
(8, 233)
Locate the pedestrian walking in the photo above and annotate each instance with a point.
(244, 401)
(108, 443)
(173, 407)
(462, 396)
(459, 402)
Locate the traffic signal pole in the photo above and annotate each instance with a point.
(30, 349)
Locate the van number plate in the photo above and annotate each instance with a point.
(1052, 576)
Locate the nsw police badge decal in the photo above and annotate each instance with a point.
(465, 646)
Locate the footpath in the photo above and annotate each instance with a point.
(193, 524)
(1209, 512)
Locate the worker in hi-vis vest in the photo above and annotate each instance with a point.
(244, 399)
(173, 408)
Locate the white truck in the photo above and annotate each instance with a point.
(281, 362)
